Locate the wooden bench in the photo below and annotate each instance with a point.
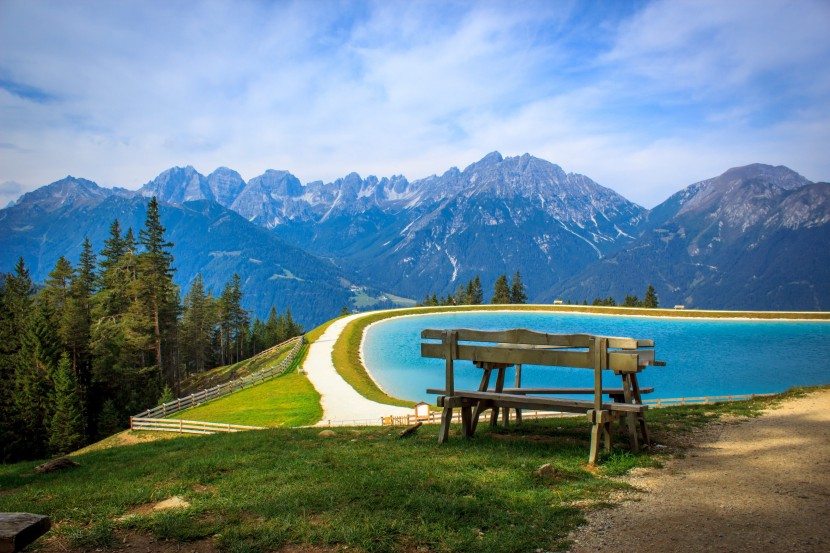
(497, 350)
(17, 530)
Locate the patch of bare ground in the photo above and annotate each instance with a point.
(758, 484)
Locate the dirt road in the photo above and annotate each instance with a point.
(761, 484)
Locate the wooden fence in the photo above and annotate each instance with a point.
(219, 390)
(186, 427)
(703, 400)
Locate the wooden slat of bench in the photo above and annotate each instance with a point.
(515, 401)
(532, 337)
(523, 391)
(627, 361)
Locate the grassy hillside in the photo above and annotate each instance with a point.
(364, 489)
(220, 375)
(287, 400)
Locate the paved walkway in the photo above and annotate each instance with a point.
(339, 400)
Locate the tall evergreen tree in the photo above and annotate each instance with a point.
(517, 290)
(55, 292)
(198, 323)
(37, 360)
(66, 429)
(650, 299)
(155, 283)
(501, 291)
(475, 295)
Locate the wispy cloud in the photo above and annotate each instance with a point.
(644, 98)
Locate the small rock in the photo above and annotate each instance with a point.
(327, 434)
(174, 502)
(56, 464)
(546, 471)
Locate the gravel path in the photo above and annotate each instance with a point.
(758, 484)
(339, 400)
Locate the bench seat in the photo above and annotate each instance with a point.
(517, 401)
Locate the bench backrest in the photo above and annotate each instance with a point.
(521, 346)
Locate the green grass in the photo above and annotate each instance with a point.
(287, 400)
(365, 488)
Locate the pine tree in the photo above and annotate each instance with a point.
(16, 303)
(56, 287)
(197, 326)
(650, 299)
(34, 373)
(475, 295)
(108, 420)
(66, 432)
(517, 290)
(501, 292)
(155, 283)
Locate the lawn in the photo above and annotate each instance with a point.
(364, 489)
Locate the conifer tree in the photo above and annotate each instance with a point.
(517, 290)
(197, 326)
(15, 307)
(501, 291)
(650, 299)
(475, 295)
(55, 292)
(33, 381)
(108, 420)
(155, 283)
(66, 431)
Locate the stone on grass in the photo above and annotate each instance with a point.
(327, 434)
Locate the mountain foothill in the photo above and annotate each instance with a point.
(755, 237)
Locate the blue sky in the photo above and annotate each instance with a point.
(643, 97)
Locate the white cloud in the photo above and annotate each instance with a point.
(643, 104)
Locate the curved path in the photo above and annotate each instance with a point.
(339, 400)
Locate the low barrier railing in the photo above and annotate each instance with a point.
(187, 427)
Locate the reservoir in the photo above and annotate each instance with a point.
(704, 357)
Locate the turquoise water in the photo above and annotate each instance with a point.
(703, 357)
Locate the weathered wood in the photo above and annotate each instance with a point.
(17, 530)
(500, 349)
(566, 405)
(532, 337)
(572, 391)
(410, 430)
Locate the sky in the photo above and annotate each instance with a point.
(644, 97)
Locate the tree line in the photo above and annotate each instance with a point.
(109, 337)
(473, 294)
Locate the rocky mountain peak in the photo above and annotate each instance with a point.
(67, 192)
(177, 185)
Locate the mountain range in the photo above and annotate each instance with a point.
(755, 237)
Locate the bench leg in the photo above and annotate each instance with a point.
(466, 420)
(505, 415)
(518, 417)
(595, 436)
(446, 419)
(494, 417)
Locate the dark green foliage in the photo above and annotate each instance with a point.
(517, 290)
(501, 291)
(67, 428)
(109, 420)
(650, 299)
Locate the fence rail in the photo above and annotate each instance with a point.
(219, 390)
(703, 400)
(185, 426)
